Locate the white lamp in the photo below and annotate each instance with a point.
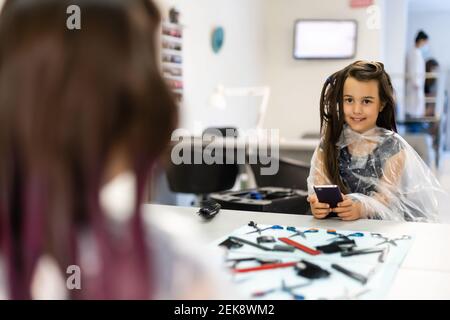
(218, 98)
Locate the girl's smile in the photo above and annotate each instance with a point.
(361, 104)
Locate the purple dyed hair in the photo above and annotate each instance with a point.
(67, 100)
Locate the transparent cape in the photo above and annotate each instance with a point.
(385, 174)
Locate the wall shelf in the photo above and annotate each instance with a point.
(173, 65)
(172, 49)
(172, 39)
(171, 77)
(172, 52)
(172, 25)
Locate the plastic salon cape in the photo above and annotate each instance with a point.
(384, 173)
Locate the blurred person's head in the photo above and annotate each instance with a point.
(421, 39)
(76, 107)
(361, 96)
(431, 65)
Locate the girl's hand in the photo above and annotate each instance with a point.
(348, 209)
(319, 210)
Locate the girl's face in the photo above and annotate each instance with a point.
(361, 104)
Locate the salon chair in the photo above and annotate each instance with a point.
(291, 174)
(202, 179)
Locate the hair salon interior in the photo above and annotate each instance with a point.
(312, 137)
(247, 65)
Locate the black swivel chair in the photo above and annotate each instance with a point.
(202, 179)
(291, 174)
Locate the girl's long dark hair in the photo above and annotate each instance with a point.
(68, 99)
(332, 112)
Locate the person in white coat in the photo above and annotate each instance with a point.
(415, 77)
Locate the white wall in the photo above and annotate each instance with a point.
(240, 63)
(258, 50)
(296, 84)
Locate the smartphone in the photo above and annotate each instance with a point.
(330, 194)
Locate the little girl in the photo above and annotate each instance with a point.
(378, 172)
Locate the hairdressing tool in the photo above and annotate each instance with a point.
(393, 241)
(355, 234)
(209, 209)
(260, 246)
(352, 295)
(349, 253)
(376, 235)
(300, 246)
(259, 294)
(261, 261)
(268, 266)
(275, 227)
(265, 239)
(255, 226)
(310, 270)
(285, 288)
(340, 235)
(356, 276)
(244, 241)
(290, 291)
(337, 246)
(301, 233)
(231, 244)
(278, 247)
(382, 256)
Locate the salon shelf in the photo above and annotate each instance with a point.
(171, 77)
(172, 52)
(172, 38)
(172, 65)
(172, 49)
(172, 25)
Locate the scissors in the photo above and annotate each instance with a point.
(275, 227)
(261, 261)
(340, 235)
(301, 233)
(332, 231)
(254, 225)
(284, 288)
(391, 241)
(290, 290)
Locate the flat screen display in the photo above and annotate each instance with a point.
(325, 39)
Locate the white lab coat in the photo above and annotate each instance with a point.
(415, 83)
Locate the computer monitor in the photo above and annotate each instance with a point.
(325, 39)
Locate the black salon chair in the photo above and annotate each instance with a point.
(291, 174)
(202, 179)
